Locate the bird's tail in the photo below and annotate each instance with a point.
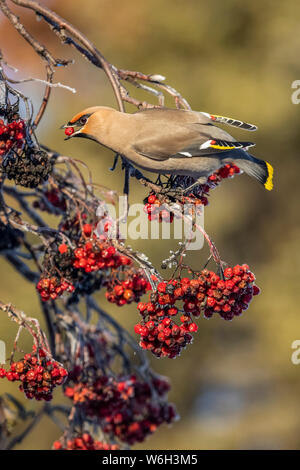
(258, 169)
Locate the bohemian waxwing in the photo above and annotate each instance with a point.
(171, 141)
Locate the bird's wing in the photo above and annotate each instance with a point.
(186, 116)
(165, 141)
(230, 121)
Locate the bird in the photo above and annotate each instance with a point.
(171, 141)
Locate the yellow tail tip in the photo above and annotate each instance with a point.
(269, 180)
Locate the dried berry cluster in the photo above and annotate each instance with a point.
(29, 169)
(207, 293)
(12, 135)
(127, 408)
(83, 442)
(39, 374)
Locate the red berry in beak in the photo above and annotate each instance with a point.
(69, 131)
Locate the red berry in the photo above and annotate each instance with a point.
(162, 287)
(210, 301)
(228, 272)
(138, 329)
(87, 229)
(193, 327)
(63, 248)
(255, 290)
(151, 199)
(128, 294)
(69, 131)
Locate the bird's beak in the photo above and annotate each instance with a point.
(64, 126)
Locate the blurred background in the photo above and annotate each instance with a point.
(235, 387)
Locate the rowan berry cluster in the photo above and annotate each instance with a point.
(11, 135)
(200, 194)
(83, 442)
(39, 374)
(207, 293)
(76, 266)
(229, 296)
(131, 289)
(125, 407)
(88, 267)
(101, 396)
(162, 212)
(141, 415)
(227, 171)
(201, 191)
(53, 287)
(159, 332)
(157, 210)
(94, 256)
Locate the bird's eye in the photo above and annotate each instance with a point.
(83, 121)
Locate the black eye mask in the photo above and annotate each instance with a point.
(80, 122)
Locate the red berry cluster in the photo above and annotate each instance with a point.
(12, 134)
(126, 407)
(83, 442)
(94, 255)
(157, 210)
(99, 397)
(227, 171)
(51, 288)
(201, 192)
(142, 413)
(74, 265)
(130, 290)
(208, 293)
(229, 296)
(159, 332)
(39, 375)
